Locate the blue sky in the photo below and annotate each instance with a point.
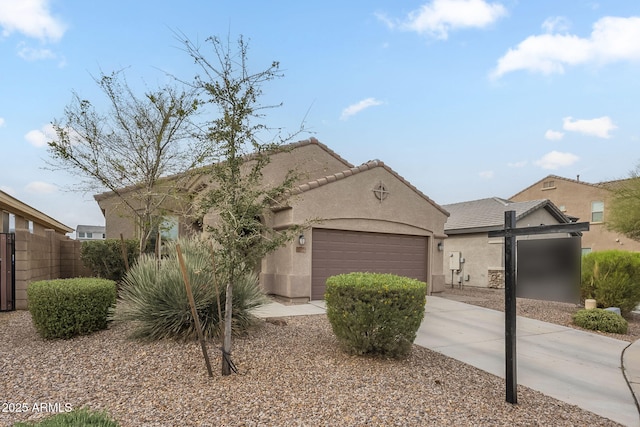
(466, 99)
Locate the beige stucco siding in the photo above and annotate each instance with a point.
(576, 197)
(353, 198)
(332, 194)
(483, 255)
(350, 204)
(310, 160)
(480, 254)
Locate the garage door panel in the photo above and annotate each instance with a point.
(338, 251)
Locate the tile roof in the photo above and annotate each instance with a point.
(195, 173)
(488, 214)
(314, 141)
(372, 164)
(602, 184)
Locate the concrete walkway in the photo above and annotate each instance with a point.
(577, 367)
(631, 364)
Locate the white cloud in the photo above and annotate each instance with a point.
(1, 122)
(31, 18)
(612, 39)
(486, 174)
(556, 160)
(386, 20)
(39, 187)
(358, 107)
(40, 137)
(555, 24)
(30, 54)
(439, 17)
(553, 135)
(599, 127)
(519, 164)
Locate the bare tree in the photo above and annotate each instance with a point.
(132, 148)
(238, 197)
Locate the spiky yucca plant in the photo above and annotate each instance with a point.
(153, 296)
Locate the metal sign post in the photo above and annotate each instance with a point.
(510, 233)
(510, 306)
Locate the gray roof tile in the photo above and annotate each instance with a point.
(487, 214)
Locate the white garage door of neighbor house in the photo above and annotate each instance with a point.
(338, 251)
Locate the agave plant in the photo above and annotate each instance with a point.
(154, 298)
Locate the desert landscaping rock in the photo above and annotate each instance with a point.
(290, 374)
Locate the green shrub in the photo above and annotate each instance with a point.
(104, 257)
(375, 313)
(612, 278)
(65, 308)
(153, 295)
(80, 417)
(598, 319)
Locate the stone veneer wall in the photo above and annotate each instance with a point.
(495, 278)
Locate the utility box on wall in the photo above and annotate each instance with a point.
(454, 260)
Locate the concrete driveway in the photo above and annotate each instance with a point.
(577, 367)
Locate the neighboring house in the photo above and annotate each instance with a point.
(584, 201)
(90, 232)
(33, 246)
(471, 258)
(371, 220)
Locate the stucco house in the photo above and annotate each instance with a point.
(585, 201)
(370, 219)
(471, 258)
(90, 232)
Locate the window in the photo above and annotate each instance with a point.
(168, 231)
(548, 184)
(597, 211)
(81, 234)
(169, 228)
(12, 223)
(89, 235)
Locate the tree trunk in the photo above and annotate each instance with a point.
(226, 347)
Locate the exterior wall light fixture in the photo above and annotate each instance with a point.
(301, 240)
(440, 246)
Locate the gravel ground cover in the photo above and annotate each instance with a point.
(547, 311)
(291, 373)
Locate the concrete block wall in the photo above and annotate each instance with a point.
(70, 263)
(44, 256)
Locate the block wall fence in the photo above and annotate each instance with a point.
(45, 256)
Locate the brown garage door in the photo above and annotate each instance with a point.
(337, 251)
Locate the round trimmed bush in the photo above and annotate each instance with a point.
(64, 308)
(601, 320)
(373, 313)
